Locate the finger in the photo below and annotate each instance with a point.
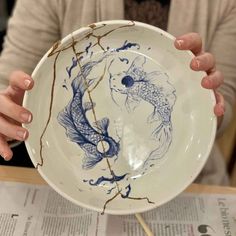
(191, 41)
(12, 130)
(203, 62)
(214, 80)
(219, 109)
(14, 111)
(19, 82)
(19, 79)
(5, 150)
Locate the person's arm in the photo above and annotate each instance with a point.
(223, 47)
(32, 30)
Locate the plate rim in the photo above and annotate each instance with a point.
(148, 206)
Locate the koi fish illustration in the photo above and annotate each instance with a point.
(78, 128)
(153, 88)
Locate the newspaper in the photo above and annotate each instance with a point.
(187, 215)
(37, 210)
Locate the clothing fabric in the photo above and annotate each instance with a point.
(152, 12)
(36, 25)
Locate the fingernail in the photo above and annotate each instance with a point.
(26, 117)
(197, 63)
(27, 83)
(180, 42)
(5, 157)
(21, 134)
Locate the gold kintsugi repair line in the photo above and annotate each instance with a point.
(96, 122)
(55, 51)
(101, 78)
(99, 37)
(95, 118)
(50, 106)
(91, 100)
(140, 198)
(109, 200)
(55, 46)
(103, 146)
(87, 36)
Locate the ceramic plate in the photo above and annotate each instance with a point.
(121, 123)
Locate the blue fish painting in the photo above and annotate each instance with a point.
(152, 87)
(78, 128)
(98, 139)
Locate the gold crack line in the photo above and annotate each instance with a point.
(50, 111)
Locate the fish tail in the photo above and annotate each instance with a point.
(90, 161)
(163, 135)
(65, 119)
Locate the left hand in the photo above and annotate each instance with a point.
(204, 61)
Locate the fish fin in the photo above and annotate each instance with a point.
(89, 161)
(88, 106)
(136, 68)
(139, 61)
(65, 119)
(163, 135)
(152, 77)
(132, 102)
(79, 84)
(102, 125)
(160, 80)
(90, 81)
(155, 116)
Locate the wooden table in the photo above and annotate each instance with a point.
(31, 176)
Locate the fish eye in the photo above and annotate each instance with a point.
(127, 81)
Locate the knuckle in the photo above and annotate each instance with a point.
(3, 102)
(13, 75)
(15, 132)
(220, 76)
(16, 78)
(2, 96)
(10, 130)
(196, 37)
(12, 111)
(208, 58)
(211, 58)
(217, 78)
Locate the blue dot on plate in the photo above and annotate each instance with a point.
(128, 81)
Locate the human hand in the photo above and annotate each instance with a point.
(12, 114)
(204, 61)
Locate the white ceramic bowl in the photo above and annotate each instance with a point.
(121, 123)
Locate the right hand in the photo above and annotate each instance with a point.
(12, 114)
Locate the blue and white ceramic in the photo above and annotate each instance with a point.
(121, 123)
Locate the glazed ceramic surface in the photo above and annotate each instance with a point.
(121, 123)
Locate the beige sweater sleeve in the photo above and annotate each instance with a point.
(223, 47)
(215, 21)
(32, 30)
